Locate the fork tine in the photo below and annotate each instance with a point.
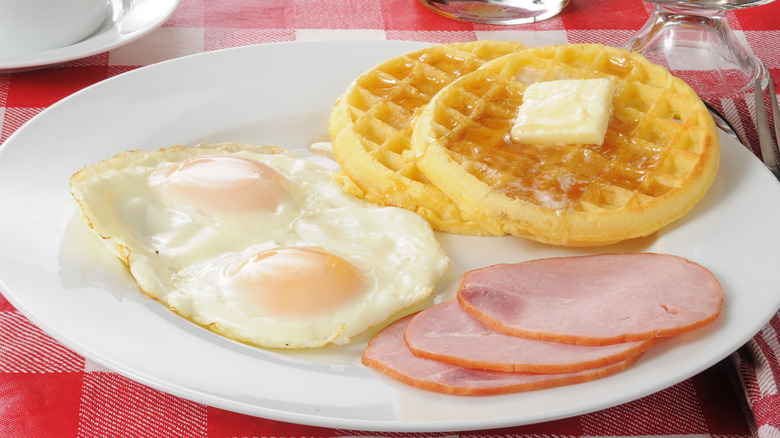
(762, 125)
(775, 110)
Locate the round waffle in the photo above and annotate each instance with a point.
(370, 126)
(659, 156)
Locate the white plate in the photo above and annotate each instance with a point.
(56, 273)
(126, 21)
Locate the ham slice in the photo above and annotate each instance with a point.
(445, 332)
(593, 300)
(387, 352)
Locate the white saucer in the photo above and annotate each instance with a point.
(126, 21)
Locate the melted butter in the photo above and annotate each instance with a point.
(557, 176)
(565, 111)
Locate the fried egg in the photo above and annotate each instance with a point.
(256, 244)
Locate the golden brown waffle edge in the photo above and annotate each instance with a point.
(370, 126)
(659, 157)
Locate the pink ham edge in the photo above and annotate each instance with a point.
(446, 333)
(595, 299)
(387, 352)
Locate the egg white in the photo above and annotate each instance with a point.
(181, 257)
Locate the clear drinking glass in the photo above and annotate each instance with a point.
(497, 11)
(695, 42)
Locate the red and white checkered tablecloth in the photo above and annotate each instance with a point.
(47, 390)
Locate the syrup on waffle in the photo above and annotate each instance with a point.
(659, 156)
(370, 127)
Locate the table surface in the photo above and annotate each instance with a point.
(78, 398)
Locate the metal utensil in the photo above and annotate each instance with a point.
(768, 154)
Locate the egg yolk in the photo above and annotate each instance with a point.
(223, 184)
(296, 281)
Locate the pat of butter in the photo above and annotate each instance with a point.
(567, 111)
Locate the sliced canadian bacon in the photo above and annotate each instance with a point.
(387, 352)
(446, 333)
(593, 300)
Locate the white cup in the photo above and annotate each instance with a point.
(36, 25)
